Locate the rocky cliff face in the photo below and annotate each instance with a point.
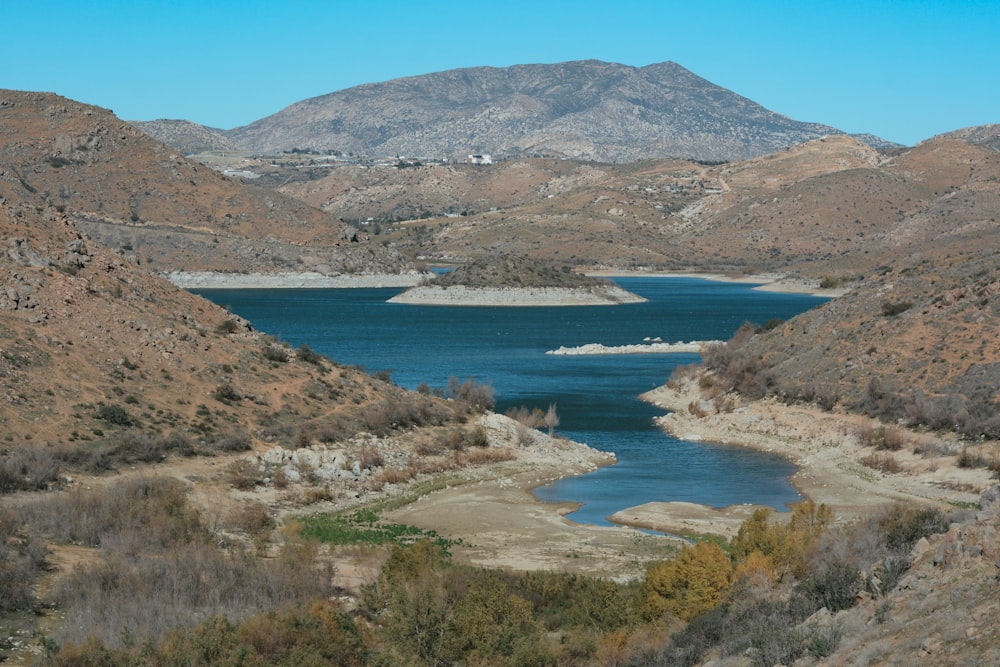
(585, 110)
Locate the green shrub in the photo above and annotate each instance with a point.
(114, 414)
(226, 393)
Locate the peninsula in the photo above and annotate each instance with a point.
(516, 281)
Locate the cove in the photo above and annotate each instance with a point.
(596, 396)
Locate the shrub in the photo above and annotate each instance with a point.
(232, 441)
(893, 308)
(882, 437)
(472, 397)
(228, 326)
(114, 414)
(27, 469)
(275, 353)
(884, 463)
(244, 475)
(835, 587)
(226, 393)
(306, 354)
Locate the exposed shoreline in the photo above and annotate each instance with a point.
(766, 282)
(770, 282)
(825, 447)
(290, 280)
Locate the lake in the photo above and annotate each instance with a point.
(596, 396)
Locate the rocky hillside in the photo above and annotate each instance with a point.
(583, 110)
(831, 208)
(187, 137)
(137, 195)
(982, 135)
(93, 347)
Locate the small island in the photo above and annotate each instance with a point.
(516, 281)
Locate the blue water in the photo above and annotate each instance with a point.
(596, 396)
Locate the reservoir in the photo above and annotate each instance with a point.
(596, 396)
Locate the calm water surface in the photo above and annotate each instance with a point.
(596, 396)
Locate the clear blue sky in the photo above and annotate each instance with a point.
(904, 70)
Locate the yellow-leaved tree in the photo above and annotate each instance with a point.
(692, 583)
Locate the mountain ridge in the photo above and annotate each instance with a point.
(590, 110)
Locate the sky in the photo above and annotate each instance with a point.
(902, 70)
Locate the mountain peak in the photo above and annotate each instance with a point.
(586, 109)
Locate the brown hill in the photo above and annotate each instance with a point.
(588, 110)
(130, 192)
(93, 346)
(829, 208)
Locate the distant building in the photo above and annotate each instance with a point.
(479, 159)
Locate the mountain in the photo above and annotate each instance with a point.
(980, 135)
(588, 110)
(187, 137)
(130, 192)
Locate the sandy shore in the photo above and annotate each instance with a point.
(459, 295)
(289, 280)
(502, 524)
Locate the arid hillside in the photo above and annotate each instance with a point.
(584, 110)
(93, 346)
(132, 193)
(831, 208)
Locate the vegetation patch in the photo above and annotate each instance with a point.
(365, 527)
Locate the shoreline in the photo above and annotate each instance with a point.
(290, 280)
(766, 282)
(826, 449)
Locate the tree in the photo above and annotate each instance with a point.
(551, 419)
(693, 583)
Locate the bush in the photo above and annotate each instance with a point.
(226, 393)
(275, 353)
(27, 469)
(233, 441)
(244, 475)
(882, 437)
(884, 463)
(893, 308)
(306, 354)
(228, 326)
(22, 561)
(114, 414)
(472, 397)
(834, 587)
